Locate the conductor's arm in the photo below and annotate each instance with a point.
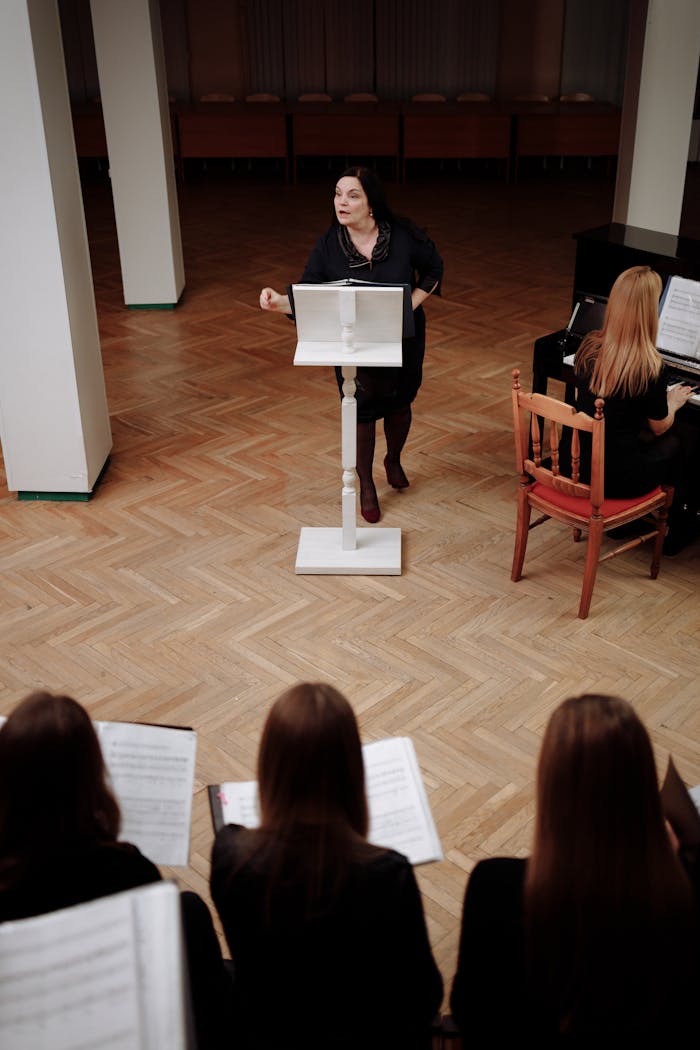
(272, 300)
(419, 295)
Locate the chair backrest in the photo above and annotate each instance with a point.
(531, 97)
(217, 96)
(428, 96)
(361, 96)
(262, 96)
(537, 423)
(577, 96)
(314, 96)
(473, 96)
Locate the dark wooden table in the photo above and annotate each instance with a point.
(345, 129)
(232, 129)
(564, 129)
(461, 130)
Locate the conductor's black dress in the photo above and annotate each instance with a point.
(403, 254)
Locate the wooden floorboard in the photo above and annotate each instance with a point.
(172, 597)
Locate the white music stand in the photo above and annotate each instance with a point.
(346, 325)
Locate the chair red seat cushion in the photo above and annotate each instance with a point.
(577, 505)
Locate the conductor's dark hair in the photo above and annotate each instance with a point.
(371, 184)
(53, 783)
(376, 198)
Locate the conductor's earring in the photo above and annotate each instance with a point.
(371, 214)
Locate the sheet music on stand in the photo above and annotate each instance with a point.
(108, 973)
(679, 319)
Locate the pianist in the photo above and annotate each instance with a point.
(621, 364)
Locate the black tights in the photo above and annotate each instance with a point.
(396, 428)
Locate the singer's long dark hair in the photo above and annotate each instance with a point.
(313, 805)
(606, 899)
(53, 786)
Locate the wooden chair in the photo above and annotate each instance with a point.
(314, 96)
(537, 420)
(361, 96)
(217, 96)
(428, 96)
(577, 96)
(262, 96)
(473, 96)
(531, 97)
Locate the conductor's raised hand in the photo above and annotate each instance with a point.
(272, 300)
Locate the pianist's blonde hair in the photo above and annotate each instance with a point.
(621, 359)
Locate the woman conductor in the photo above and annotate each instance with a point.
(367, 241)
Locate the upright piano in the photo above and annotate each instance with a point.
(601, 255)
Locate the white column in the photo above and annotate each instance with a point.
(662, 68)
(134, 93)
(54, 422)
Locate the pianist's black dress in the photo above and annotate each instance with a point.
(403, 254)
(635, 461)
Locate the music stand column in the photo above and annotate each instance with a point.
(334, 325)
(348, 418)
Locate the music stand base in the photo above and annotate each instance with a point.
(377, 553)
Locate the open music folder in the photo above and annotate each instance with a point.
(108, 973)
(151, 771)
(399, 813)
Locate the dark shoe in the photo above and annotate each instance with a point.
(395, 475)
(369, 504)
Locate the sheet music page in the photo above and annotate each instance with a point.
(239, 803)
(399, 813)
(161, 976)
(679, 320)
(68, 980)
(400, 816)
(152, 772)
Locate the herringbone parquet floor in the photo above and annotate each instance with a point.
(172, 597)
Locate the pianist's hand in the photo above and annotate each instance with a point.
(677, 396)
